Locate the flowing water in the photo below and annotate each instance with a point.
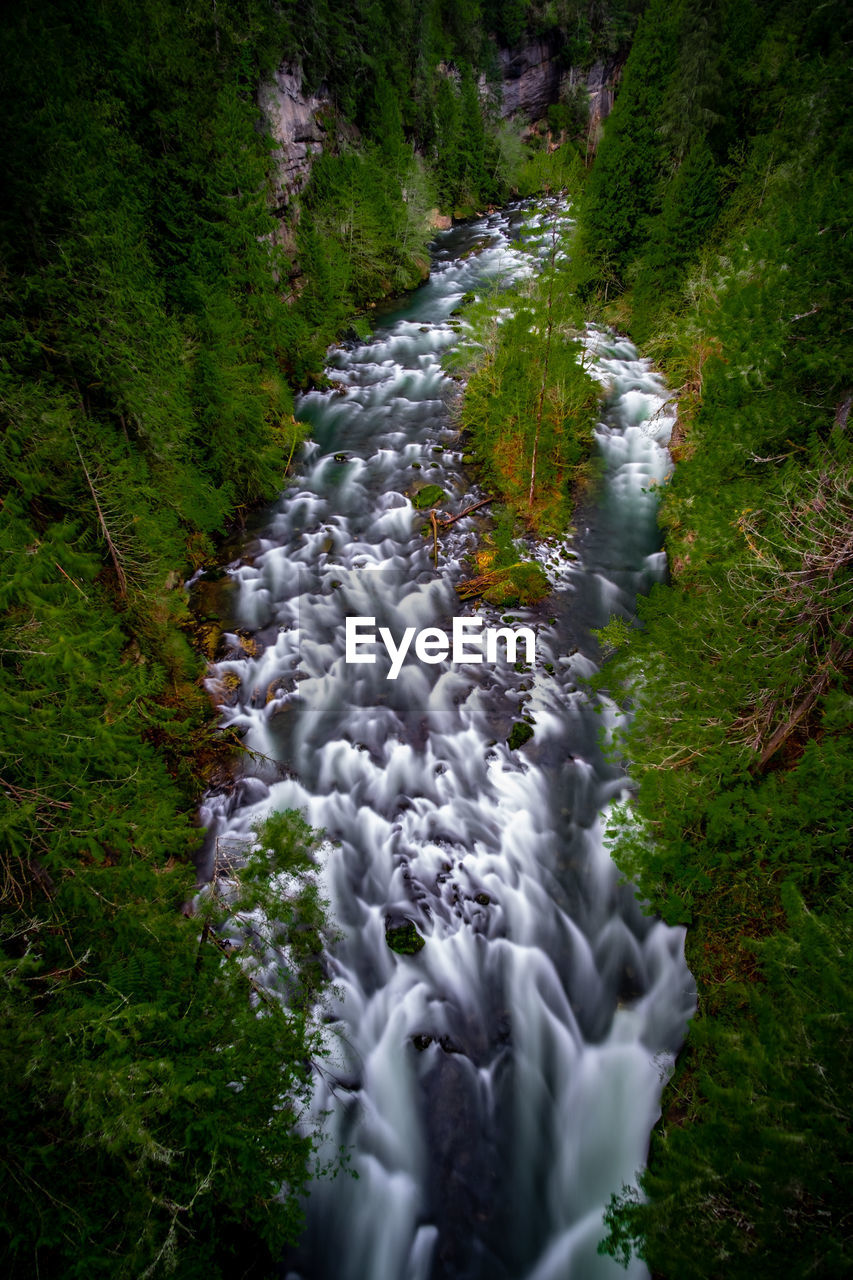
(494, 1088)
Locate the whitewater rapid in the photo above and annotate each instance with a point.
(494, 1088)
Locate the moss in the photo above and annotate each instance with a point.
(429, 496)
(208, 636)
(521, 732)
(403, 938)
(521, 584)
(464, 301)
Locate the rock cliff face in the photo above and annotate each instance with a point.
(533, 77)
(600, 83)
(293, 120)
(530, 79)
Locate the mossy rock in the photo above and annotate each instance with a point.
(464, 301)
(430, 496)
(208, 637)
(521, 584)
(502, 593)
(521, 732)
(468, 460)
(360, 330)
(248, 643)
(403, 938)
(225, 692)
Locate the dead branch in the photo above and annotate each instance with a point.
(122, 580)
(70, 579)
(445, 524)
(820, 680)
(472, 587)
(22, 793)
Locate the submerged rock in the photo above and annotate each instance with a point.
(521, 732)
(429, 496)
(402, 937)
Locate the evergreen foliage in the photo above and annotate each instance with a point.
(151, 1100)
(529, 405)
(584, 31)
(357, 240)
(734, 266)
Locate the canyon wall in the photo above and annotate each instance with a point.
(533, 76)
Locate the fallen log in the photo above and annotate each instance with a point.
(445, 524)
(837, 657)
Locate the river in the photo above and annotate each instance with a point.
(494, 1088)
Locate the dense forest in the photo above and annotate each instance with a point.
(157, 323)
(716, 224)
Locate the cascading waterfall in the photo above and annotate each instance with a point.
(494, 1088)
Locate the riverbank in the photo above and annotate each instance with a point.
(741, 740)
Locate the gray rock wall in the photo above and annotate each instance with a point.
(600, 83)
(532, 78)
(293, 120)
